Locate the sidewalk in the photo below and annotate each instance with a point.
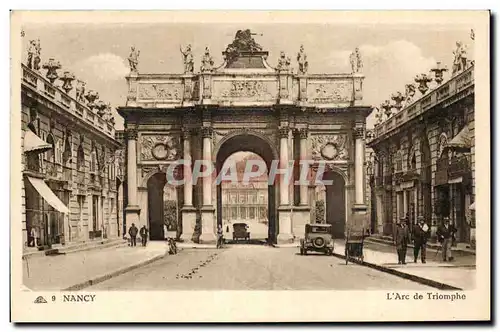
(434, 273)
(460, 250)
(79, 270)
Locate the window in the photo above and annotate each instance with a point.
(80, 159)
(234, 212)
(233, 198)
(413, 162)
(95, 211)
(66, 155)
(251, 213)
(398, 159)
(262, 198)
(243, 212)
(262, 213)
(49, 155)
(58, 153)
(252, 198)
(242, 197)
(93, 161)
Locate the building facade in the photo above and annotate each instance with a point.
(70, 189)
(424, 152)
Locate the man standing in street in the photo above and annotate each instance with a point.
(132, 231)
(144, 235)
(445, 234)
(421, 233)
(402, 238)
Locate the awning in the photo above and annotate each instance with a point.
(34, 143)
(462, 141)
(48, 194)
(472, 206)
(456, 180)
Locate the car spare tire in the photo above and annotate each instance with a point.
(319, 242)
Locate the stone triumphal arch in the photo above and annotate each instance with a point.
(279, 113)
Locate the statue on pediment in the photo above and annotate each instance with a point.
(283, 62)
(133, 59)
(356, 62)
(302, 60)
(207, 62)
(243, 42)
(460, 60)
(187, 54)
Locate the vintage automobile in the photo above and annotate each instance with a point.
(318, 237)
(240, 232)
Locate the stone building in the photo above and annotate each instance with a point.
(245, 104)
(424, 151)
(69, 188)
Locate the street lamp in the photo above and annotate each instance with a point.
(370, 173)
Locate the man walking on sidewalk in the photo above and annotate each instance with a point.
(132, 231)
(144, 235)
(445, 234)
(402, 238)
(421, 233)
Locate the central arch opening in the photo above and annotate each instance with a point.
(251, 202)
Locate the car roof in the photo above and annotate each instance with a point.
(239, 223)
(319, 225)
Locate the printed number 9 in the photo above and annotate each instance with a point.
(53, 298)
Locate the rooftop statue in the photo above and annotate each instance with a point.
(243, 42)
(460, 60)
(283, 62)
(80, 91)
(302, 60)
(207, 62)
(34, 50)
(188, 59)
(355, 59)
(133, 59)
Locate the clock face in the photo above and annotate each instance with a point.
(160, 151)
(329, 151)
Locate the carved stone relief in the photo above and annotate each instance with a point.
(162, 91)
(442, 142)
(255, 90)
(159, 147)
(330, 147)
(329, 92)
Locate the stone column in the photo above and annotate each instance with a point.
(132, 210)
(188, 210)
(207, 210)
(359, 166)
(304, 187)
(302, 212)
(284, 210)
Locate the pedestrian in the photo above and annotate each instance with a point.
(402, 238)
(34, 237)
(220, 234)
(132, 231)
(446, 234)
(144, 235)
(421, 233)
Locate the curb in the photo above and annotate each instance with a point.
(196, 246)
(107, 276)
(404, 275)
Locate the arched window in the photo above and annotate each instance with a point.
(66, 155)
(80, 159)
(49, 155)
(58, 153)
(398, 160)
(413, 163)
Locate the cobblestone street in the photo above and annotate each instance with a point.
(243, 267)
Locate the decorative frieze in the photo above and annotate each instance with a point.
(245, 89)
(159, 147)
(328, 92)
(330, 147)
(161, 91)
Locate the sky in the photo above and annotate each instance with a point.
(392, 54)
